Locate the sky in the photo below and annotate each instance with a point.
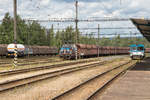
(45, 9)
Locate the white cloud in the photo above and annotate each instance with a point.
(44, 2)
(45, 9)
(66, 9)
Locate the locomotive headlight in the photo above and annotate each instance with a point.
(134, 53)
(137, 53)
(140, 53)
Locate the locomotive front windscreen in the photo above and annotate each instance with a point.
(140, 48)
(133, 48)
(137, 47)
(66, 48)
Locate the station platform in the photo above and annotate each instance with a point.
(134, 85)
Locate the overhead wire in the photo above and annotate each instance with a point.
(38, 6)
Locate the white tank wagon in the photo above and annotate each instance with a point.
(11, 49)
(24, 50)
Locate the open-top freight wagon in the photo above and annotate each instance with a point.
(72, 51)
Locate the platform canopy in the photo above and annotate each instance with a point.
(143, 26)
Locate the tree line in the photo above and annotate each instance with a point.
(32, 33)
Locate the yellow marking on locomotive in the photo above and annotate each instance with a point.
(17, 48)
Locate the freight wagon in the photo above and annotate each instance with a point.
(69, 51)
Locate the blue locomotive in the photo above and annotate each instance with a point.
(137, 51)
(68, 51)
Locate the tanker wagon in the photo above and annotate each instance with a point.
(11, 49)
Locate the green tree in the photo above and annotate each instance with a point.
(37, 35)
(52, 36)
(58, 39)
(7, 29)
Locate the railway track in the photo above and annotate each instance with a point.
(12, 72)
(39, 62)
(22, 62)
(25, 70)
(30, 63)
(36, 61)
(88, 89)
(7, 85)
(134, 85)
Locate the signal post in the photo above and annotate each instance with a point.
(15, 33)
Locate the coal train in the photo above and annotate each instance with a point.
(23, 50)
(69, 51)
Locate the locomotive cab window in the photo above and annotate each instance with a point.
(140, 48)
(133, 48)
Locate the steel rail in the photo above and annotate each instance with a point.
(41, 68)
(109, 82)
(23, 64)
(91, 79)
(7, 85)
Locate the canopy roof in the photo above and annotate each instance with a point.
(143, 26)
